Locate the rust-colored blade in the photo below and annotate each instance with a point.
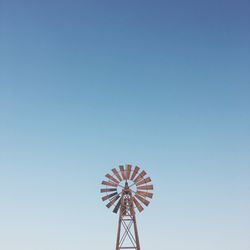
(104, 198)
(114, 199)
(144, 181)
(136, 170)
(117, 174)
(117, 206)
(105, 190)
(123, 172)
(128, 171)
(148, 187)
(138, 205)
(140, 176)
(144, 201)
(109, 183)
(112, 178)
(145, 194)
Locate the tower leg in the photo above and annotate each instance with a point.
(118, 233)
(136, 234)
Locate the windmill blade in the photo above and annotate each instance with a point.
(112, 178)
(136, 170)
(116, 174)
(105, 190)
(140, 177)
(104, 198)
(144, 181)
(144, 201)
(123, 172)
(117, 206)
(138, 205)
(108, 183)
(145, 194)
(128, 171)
(147, 187)
(114, 199)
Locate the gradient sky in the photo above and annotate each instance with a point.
(88, 85)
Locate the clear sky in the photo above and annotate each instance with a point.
(88, 85)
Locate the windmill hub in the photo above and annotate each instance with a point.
(122, 185)
(127, 188)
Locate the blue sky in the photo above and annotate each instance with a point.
(88, 85)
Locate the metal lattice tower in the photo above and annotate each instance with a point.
(127, 188)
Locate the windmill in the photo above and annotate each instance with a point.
(125, 189)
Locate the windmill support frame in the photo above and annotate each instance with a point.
(127, 234)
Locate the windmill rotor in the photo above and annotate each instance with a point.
(139, 184)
